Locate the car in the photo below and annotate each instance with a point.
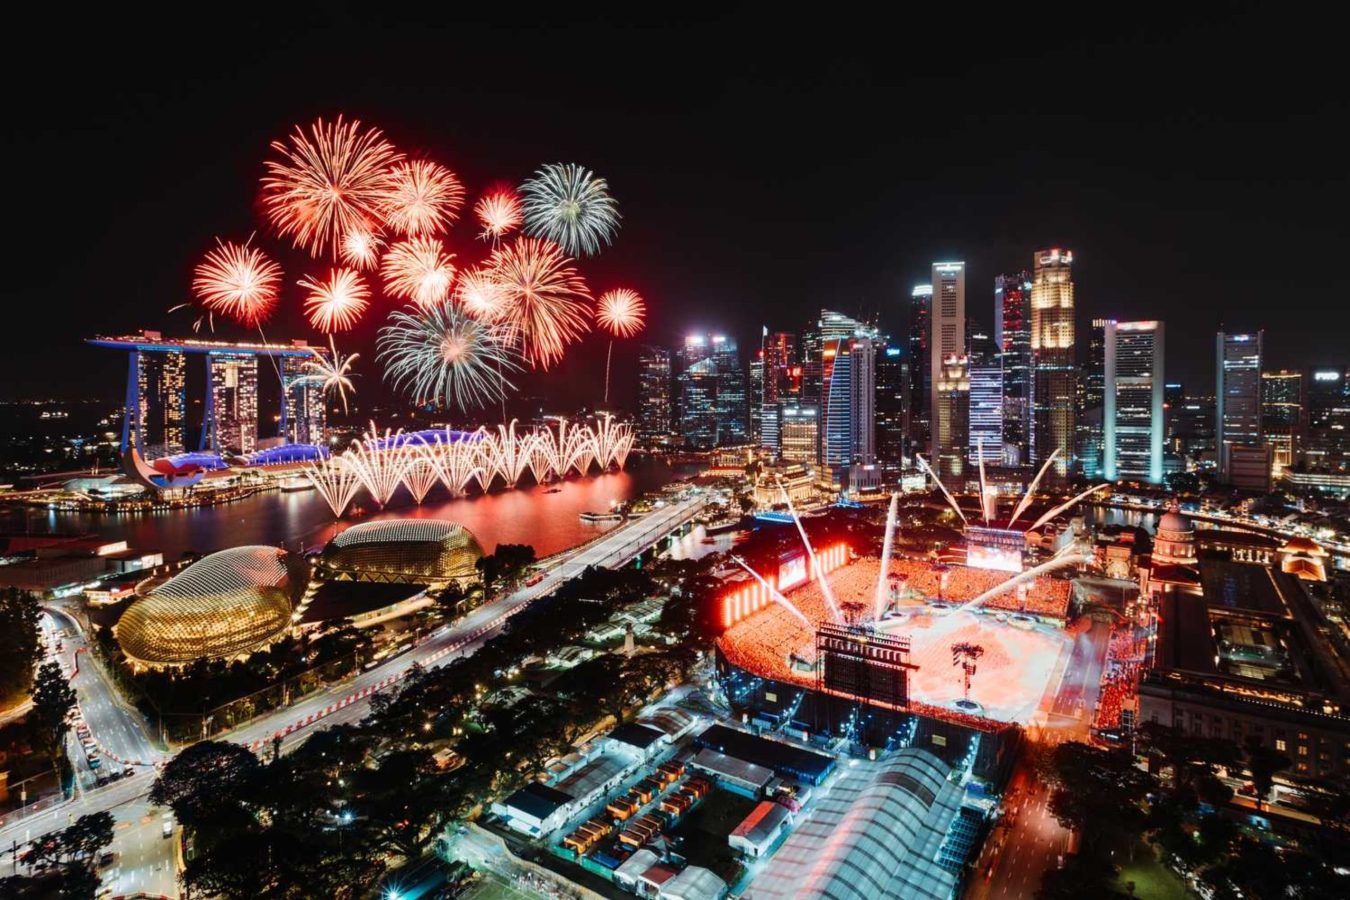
(167, 829)
(95, 762)
(128, 771)
(107, 859)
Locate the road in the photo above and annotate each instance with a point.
(350, 700)
(1025, 843)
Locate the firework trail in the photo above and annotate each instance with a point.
(542, 299)
(420, 198)
(336, 303)
(237, 281)
(442, 355)
(419, 270)
(570, 206)
(332, 372)
(327, 183)
(621, 313)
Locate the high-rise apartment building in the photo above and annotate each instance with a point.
(1053, 348)
(1133, 386)
(1237, 393)
(231, 420)
(304, 416)
(949, 393)
(1012, 333)
(160, 410)
(1282, 416)
(655, 409)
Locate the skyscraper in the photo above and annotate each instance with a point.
(1282, 416)
(1328, 418)
(1089, 429)
(231, 420)
(1133, 401)
(780, 360)
(654, 413)
(161, 403)
(799, 434)
(1237, 393)
(849, 364)
(920, 363)
(1053, 347)
(755, 399)
(949, 394)
(712, 392)
(1012, 334)
(304, 417)
(892, 405)
(987, 379)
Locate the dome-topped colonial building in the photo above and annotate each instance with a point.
(1173, 564)
(228, 604)
(427, 551)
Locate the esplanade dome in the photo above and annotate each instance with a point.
(227, 604)
(417, 550)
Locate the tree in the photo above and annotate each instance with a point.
(207, 784)
(1079, 877)
(1263, 762)
(1097, 794)
(53, 700)
(87, 837)
(19, 645)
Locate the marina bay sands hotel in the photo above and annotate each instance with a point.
(155, 422)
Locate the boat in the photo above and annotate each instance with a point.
(592, 517)
(553, 490)
(294, 483)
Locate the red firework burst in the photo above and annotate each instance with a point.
(237, 281)
(543, 298)
(621, 312)
(421, 197)
(419, 270)
(499, 213)
(337, 302)
(327, 183)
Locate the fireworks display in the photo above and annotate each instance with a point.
(621, 312)
(443, 355)
(342, 192)
(237, 281)
(542, 299)
(332, 372)
(336, 303)
(499, 213)
(418, 269)
(327, 183)
(570, 206)
(421, 198)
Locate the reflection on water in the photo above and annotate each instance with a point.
(1133, 518)
(545, 516)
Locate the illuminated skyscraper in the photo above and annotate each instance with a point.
(987, 391)
(892, 406)
(1282, 416)
(1090, 426)
(654, 419)
(231, 420)
(799, 434)
(304, 416)
(850, 392)
(920, 363)
(1237, 393)
(1328, 419)
(779, 384)
(161, 403)
(1133, 401)
(712, 392)
(1012, 334)
(949, 394)
(755, 398)
(1053, 347)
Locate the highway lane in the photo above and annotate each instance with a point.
(614, 548)
(1026, 843)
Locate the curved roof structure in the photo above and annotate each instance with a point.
(403, 550)
(227, 604)
(877, 833)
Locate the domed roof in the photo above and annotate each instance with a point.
(227, 604)
(429, 549)
(1174, 521)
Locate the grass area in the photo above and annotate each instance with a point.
(492, 887)
(1152, 879)
(703, 833)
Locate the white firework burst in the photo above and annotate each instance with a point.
(571, 206)
(443, 355)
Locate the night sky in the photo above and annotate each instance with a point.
(766, 164)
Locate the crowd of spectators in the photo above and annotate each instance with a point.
(1042, 596)
(1120, 678)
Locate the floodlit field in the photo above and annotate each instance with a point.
(1017, 667)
